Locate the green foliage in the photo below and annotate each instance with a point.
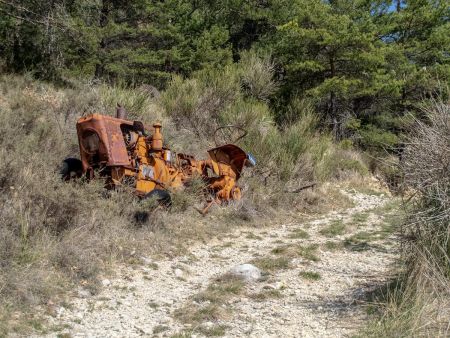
(237, 95)
(362, 63)
(359, 65)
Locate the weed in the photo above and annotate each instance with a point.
(212, 331)
(212, 301)
(335, 228)
(64, 335)
(360, 219)
(332, 246)
(310, 275)
(280, 249)
(197, 314)
(160, 328)
(182, 334)
(266, 294)
(272, 264)
(220, 290)
(153, 266)
(298, 234)
(308, 252)
(288, 251)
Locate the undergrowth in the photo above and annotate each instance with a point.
(416, 303)
(56, 236)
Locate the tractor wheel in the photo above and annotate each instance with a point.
(71, 167)
(162, 196)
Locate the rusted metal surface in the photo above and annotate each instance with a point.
(101, 141)
(121, 113)
(130, 153)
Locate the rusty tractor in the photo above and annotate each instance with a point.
(129, 153)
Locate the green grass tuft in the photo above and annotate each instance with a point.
(299, 234)
(266, 294)
(309, 252)
(310, 275)
(335, 228)
(272, 264)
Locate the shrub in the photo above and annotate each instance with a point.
(418, 304)
(426, 164)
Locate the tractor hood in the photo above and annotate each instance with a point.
(232, 155)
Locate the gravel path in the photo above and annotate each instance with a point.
(141, 300)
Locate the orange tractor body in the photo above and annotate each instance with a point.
(128, 155)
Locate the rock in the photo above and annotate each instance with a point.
(178, 273)
(248, 272)
(279, 285)
(165, 320)
(83, 293)
(106, 282)
(60, 311)
(146, 260)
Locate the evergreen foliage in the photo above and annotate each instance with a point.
(360, 63)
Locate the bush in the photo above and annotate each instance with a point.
(418, 304)
(426, 165)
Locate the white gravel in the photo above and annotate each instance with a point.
(142, 298)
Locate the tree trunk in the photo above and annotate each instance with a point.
(103, 22)
(332, 105)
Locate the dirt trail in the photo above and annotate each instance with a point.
(141, 301)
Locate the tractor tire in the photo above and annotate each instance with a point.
(162, 196)
(71, 167)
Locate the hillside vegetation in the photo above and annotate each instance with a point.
(330, 92)
(362, 65)
(57, 235)
(416, 304)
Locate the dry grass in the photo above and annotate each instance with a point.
(57, 236)
(417, 305)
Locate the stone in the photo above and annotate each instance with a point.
(146, 260)
(178, 273)
(83, 293)
(60, 311)
(279, 285)
(247, 272)
(106, 282)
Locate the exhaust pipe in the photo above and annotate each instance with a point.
(121, 113)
